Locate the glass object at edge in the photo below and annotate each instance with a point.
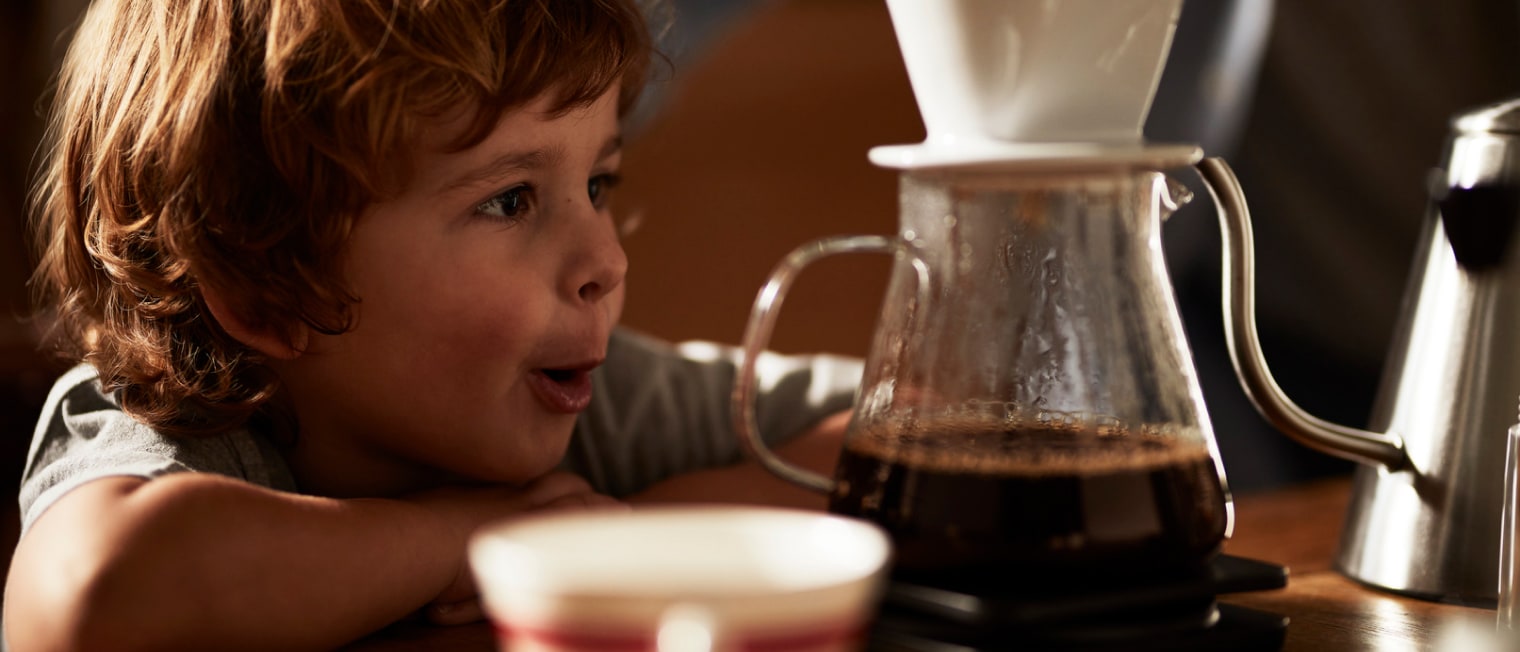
(1509, 582)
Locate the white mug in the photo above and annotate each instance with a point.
(680, 579)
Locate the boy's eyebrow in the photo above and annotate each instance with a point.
(524, 160)
(504, 164)
(613, 144)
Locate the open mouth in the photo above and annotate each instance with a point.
(565, 390)
(561, 375)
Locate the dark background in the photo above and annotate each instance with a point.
(27, 32)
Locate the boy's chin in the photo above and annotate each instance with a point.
(522, 467)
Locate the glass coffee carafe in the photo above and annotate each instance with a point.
(1029, 412)
(1029, 406)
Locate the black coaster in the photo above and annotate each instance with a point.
(1175, 615)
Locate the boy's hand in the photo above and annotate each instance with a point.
(473, 507)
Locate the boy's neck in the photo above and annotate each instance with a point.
(325, 466)
(326, 462)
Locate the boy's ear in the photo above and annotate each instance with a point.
(261, 339)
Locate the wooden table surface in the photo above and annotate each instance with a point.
(1298, 527)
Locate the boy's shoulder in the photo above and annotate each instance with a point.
(82, 435)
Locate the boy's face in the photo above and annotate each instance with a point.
(487, 291)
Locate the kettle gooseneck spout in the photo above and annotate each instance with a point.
(1239, 300)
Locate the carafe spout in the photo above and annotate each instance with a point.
(1239, 297)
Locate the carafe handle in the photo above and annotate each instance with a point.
(1239, 298)
(762, 321)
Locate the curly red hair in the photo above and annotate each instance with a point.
(232, 143)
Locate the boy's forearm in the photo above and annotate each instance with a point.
(195, 561)
(750, 483)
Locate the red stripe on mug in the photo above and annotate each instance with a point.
(830, 634)
(580, 640)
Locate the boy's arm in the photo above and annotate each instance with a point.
(748, 482)
(200, 561)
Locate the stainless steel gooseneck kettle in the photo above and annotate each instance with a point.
(1425, 510)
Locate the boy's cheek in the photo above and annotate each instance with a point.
(615, 303)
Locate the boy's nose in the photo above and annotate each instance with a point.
(603, 266)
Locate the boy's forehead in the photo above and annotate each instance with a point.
(442, 134)
(525, 132)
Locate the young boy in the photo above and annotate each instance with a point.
(344, 281)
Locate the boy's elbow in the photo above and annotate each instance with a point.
(45, 618)
(71, 581)
(38, 614)
(56, 602)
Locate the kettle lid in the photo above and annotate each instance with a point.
(1503, 118)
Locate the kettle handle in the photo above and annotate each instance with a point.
(762, 321)
(1239, 299)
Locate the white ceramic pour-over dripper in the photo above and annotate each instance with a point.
(1011, 81)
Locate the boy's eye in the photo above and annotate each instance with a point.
(599, 186)
(510, 204)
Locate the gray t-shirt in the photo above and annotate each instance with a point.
(659, 410)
